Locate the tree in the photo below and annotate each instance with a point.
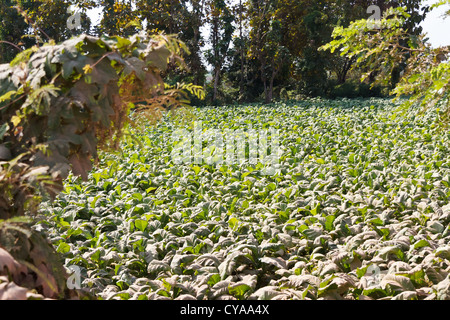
(118, 18)
(266, 43)
(426, 76)
(27, 23)
(189, 32)
(221, 20)
(310, 65)
(240, 44)
(342, 13)
(307, 25)
(184, 18)
(48, 19)
(12, 28)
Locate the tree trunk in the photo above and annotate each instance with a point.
(264, 80)
(270, 90)
(269, 93)
(241, 82)
(266, 93)
(342, 76)
(216, 83)
(217, 63)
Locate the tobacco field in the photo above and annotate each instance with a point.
(357, 209)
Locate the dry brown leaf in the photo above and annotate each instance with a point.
(47, 281)
(81, 165)
(8, 261)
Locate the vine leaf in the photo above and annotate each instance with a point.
(80, 165)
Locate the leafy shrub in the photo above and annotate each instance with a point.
(29, 266)
(354, 89)
(60, 104)
(425, 75)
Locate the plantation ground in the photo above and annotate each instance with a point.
(358, 209)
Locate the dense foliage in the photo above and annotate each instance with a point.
(255, 50)
(358, 209)
(59, 105)
(425, 77)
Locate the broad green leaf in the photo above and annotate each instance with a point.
(196, 169)
(233, 223)
(141, 224)
(239, 290)
(63, 247)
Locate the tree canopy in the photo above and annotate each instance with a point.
(253, 50)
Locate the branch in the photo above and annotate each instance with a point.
(12, 102)
(104, 56)
(408, 49)
(28, 20)
(10, 43)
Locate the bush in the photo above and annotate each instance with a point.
(59, 105)
(354, 89)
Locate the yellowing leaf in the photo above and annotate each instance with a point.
(8, 96)
(15, 120)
